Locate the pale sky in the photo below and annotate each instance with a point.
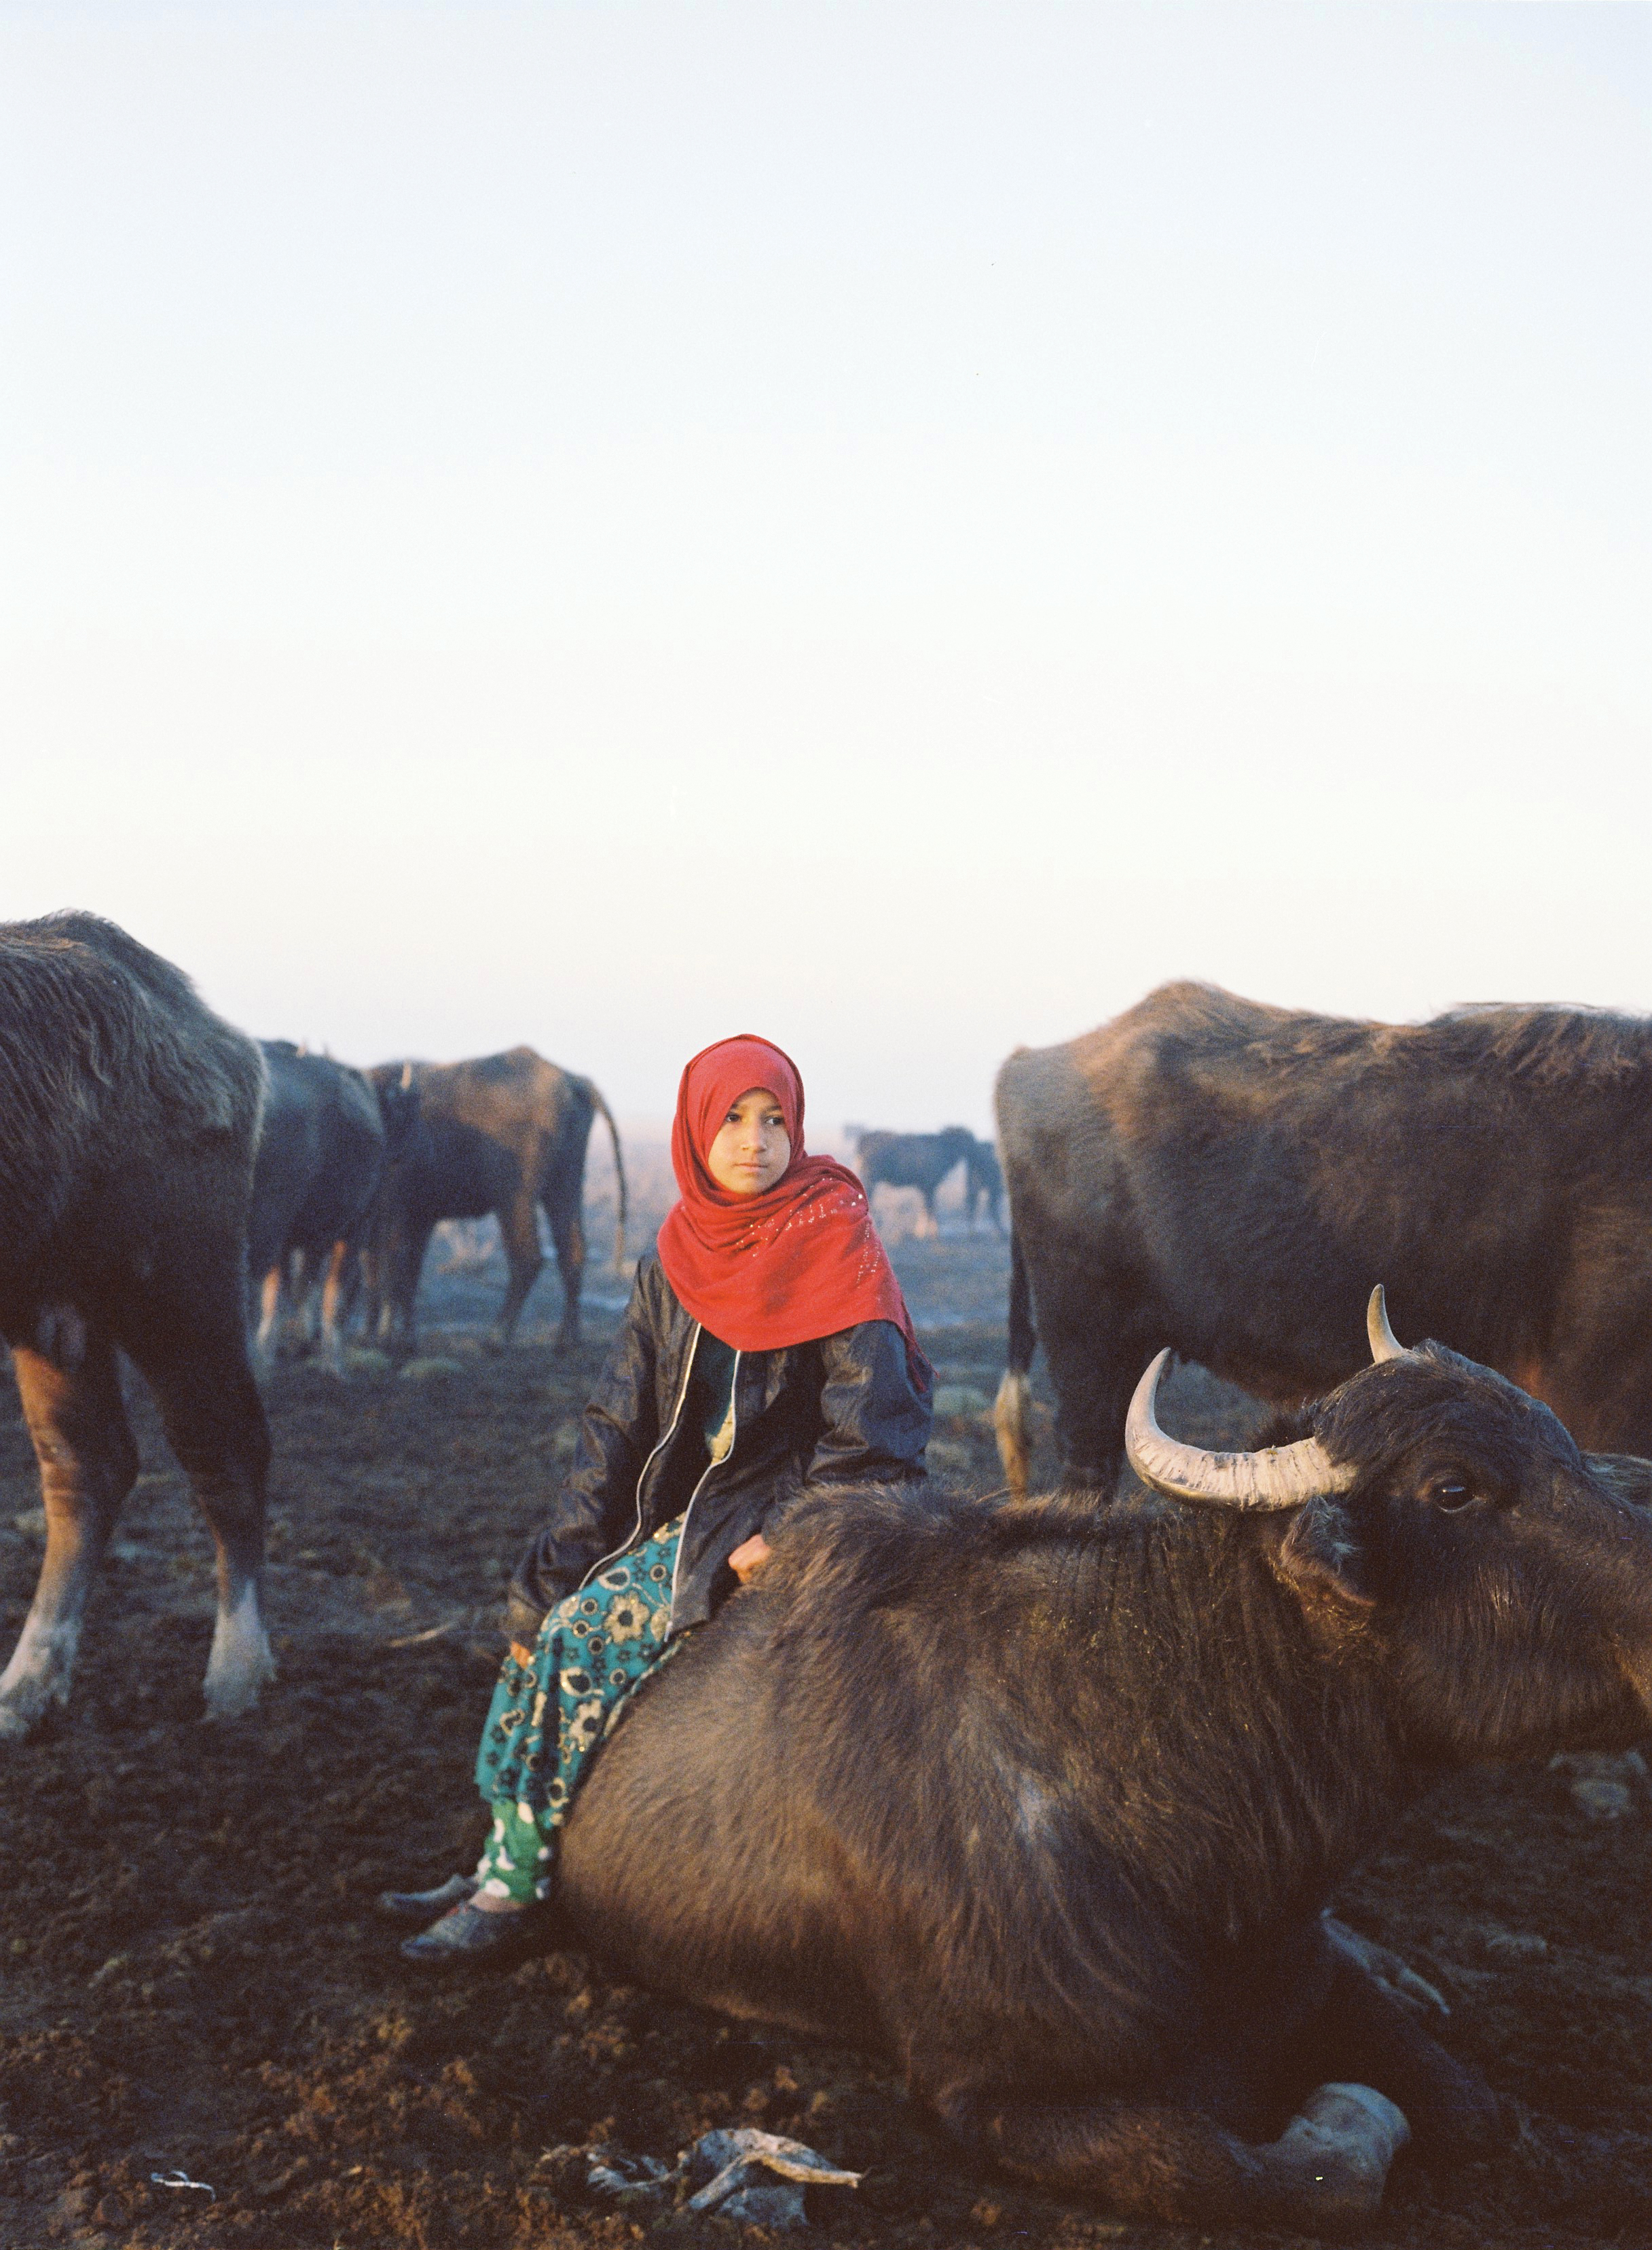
(894, 526)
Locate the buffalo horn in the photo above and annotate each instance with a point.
(1280, 1476)
(1384, 1345)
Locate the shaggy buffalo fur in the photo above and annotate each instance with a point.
(129, 1114)
(1046, 1796)
(108, 1062)
(1232, 1180)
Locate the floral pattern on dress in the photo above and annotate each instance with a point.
(548, 1715)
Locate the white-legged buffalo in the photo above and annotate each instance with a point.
(1230, 1179)
(505, 1134)
(127, 1117)
(915, 1160)
(1045, 1797)
(326, 1136)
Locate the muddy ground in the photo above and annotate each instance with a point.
(192, 1978)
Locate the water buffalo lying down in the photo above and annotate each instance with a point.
(127, 1117)
(1046, 1797)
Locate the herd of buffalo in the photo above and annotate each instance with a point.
(1045, 1796)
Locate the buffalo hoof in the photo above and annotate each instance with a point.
(37, 1678)
(19, 1715)
(1334, 2157)
(1388, 1970)
(23, 1708)
(235, 1695)
(241, 1661)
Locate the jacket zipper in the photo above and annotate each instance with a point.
(630, 1540)
(733, 1432)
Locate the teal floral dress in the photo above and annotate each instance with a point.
(594, 1651)
(548, 1715)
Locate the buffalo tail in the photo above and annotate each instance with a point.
(619, 1174)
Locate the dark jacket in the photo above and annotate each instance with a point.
(847, 1409)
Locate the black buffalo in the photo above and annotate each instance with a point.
(1045, 1797)
(323, 1142)
(127, 1118)
(914, 1160)
(1230, 1179)
(505, 1134)
(984, 1185)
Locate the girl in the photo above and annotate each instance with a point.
(766, 1348)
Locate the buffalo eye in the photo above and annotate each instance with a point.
(1451, 1494)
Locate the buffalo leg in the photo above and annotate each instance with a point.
(71, 1394)
(568, 1237)
(302, 1289)
(1324, 2175)
(519, 1233)
(1095, 1359)
(1364, 2032)
(1091, 1401)
(267, 1344)
(215, 1424)
(400, 1261)
(334, 1309)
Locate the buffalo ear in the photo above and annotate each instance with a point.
(1625, 1475)
(1319, 1559)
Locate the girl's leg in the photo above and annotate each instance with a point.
(547, 1718)
(514, 1868)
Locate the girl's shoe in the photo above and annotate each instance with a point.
(473, 1934)
(419, 1906)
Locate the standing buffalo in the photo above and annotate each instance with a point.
(322, 1148)
(984, 1185)
(127, 1118)
(506, 1134)
(914, 1160)
(1229, 1179)
(1067, 1859)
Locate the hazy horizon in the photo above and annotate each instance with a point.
(897, 527)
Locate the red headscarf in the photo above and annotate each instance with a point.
(800, 1261)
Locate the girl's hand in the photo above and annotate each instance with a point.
(522, 1655)
(749, 1557)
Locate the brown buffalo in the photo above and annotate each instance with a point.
(128, 1115)
(505, 1134)
(1230, 1179)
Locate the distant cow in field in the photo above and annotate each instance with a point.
(129, 1114)
(506, 1134)
(984, 1185)
(913, 1160)
(326, 1136)
(1229, 1179)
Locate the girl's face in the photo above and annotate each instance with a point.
(752, 1148)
